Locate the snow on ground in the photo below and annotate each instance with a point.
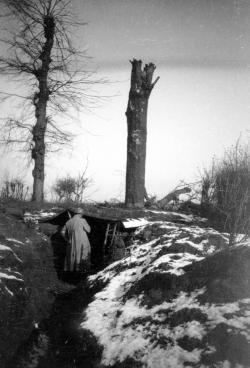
(10, 277)
(13, 247)
(32, 218)
(8, 274)
(170, 332)
(27, 283)
(15, 241)
(173, 264)
(4, 247)
(6, 251)
(40, 214)
(123, 337)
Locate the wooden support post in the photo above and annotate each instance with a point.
(106, 238)
(113, 235)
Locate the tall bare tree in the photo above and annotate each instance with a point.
(140, 90)
(40, 49)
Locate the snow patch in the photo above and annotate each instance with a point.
(15, 241)
(10, 277)
(8, 249)
(8, 291)
(128, 329)
(174, 265)
(131, 222)
(114, 324)
(4, 247)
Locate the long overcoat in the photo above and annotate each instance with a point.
(78, 246)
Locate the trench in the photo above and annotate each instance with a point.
(58, 341)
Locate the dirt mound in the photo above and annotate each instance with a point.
(27, 279)
(225, 275)
(180, 299)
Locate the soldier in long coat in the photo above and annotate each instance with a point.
(78, 247)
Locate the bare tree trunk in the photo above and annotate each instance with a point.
(40, 101)
(140, 89)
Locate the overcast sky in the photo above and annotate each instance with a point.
(173, 32)
(200, 105)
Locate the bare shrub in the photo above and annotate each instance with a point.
(207, 186)
(14, 189)
(71, 188)
(226, 191)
